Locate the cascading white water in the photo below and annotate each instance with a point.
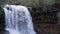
(18, 20)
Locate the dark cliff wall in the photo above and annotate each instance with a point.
(46, 20)
(45, 16)
(2, 21)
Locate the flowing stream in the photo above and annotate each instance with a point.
(18, 20)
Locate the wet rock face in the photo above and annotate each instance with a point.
(2, 21)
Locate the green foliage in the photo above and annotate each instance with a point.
(34, 3)
(31, 3)
(2, 2)
(13, 1)
(49, 2)
(1, 11)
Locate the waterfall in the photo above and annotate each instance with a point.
(18, 20)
